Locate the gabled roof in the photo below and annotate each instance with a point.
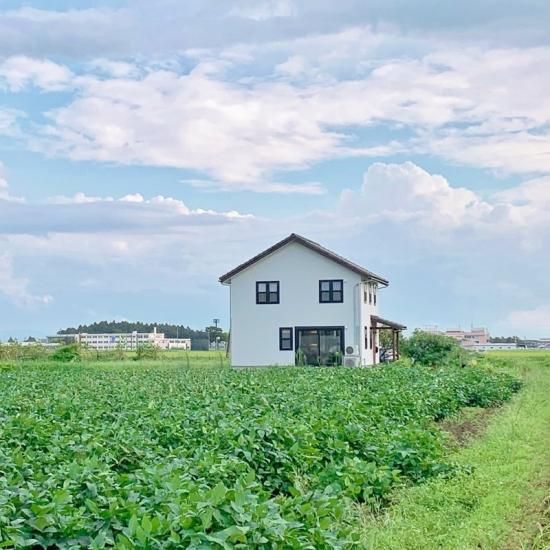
(316, 247)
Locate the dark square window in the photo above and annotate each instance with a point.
(331, 291)
(285, 339)
(267, 292)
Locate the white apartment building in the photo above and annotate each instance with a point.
(131, 341)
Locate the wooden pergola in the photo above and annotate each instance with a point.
(377, 324)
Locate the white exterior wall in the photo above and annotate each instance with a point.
(255, 327)
(368, 309)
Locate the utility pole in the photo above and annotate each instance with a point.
(216, 323)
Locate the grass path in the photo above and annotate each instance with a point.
(504, 503)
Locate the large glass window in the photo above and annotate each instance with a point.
(331, 291)
(267, 292)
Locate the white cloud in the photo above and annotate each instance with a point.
(116, 69)
(461, 105)
(407, 193)
(77, 198)
(15, 288)
(155, 28)
(535, 191)
(446, 243)
(18, 72)
(36, 32)
(307, 188)
(190, 121)
(82, 214)
(407, 198)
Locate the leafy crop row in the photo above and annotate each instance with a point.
(168, 457)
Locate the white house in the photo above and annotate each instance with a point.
(299, 303)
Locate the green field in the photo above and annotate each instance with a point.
(39, 354)
(162, 455)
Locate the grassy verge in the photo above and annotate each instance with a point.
(504, 502)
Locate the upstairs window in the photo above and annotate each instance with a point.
(331, 291)
(267, 292)
(285, 339)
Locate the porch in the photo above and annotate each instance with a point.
(379, 324)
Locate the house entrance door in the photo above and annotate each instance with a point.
(319, 345)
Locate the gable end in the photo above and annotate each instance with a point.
(293, 237)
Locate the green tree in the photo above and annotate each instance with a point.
(214, 333)
(425, 348)
(504, 339)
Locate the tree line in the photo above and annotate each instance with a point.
(112, 327)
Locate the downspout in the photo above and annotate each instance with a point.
(357, 316)
(228, 350)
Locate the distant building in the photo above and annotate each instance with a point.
(131, 341)
(493, 346)
(467, 339)
(43, 342)
(537, 343)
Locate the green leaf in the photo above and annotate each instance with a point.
(217, 494)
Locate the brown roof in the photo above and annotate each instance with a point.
(294, 238)
(380, 321)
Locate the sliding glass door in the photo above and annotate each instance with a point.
(319, 345)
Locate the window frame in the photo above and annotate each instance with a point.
(290, 339)
(268, 292)
(331, 291)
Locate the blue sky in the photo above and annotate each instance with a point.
(146, 148)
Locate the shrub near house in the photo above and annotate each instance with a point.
(430, 350)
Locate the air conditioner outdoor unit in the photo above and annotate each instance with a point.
(352, 350)
(351, 361)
